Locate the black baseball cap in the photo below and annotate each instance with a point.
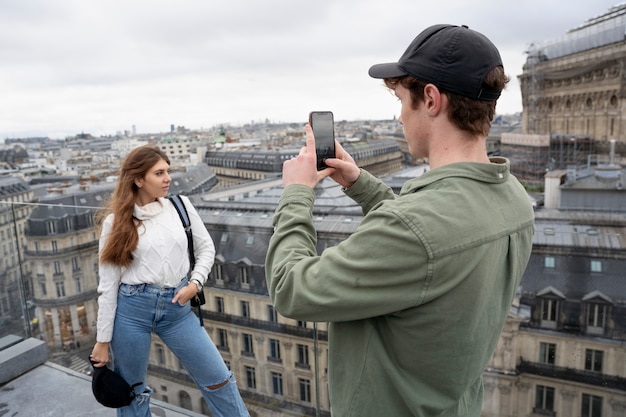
(454, 58)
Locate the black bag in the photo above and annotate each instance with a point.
(199, 299)
(110, 389)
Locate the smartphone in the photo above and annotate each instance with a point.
(323, 127)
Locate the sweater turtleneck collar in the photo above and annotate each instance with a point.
(149, 210)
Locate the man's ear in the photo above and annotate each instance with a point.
(433, 99)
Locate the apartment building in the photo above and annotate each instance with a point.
(15, 196)
(563, 352)
(380, 157)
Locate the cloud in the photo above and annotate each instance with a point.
(102, 66)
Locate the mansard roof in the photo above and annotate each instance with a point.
(10, 186)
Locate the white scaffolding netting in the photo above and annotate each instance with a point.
(594, 33)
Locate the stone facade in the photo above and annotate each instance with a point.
(576, 85)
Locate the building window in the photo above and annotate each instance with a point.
(248, 347)
(549, 262)
(54, 246)
(184, 400)
(277, 383)
(60, 286)
(160, 354)
(42, 288)
(250, 377)
(219, 304)
(591, 406)
(57, 267)
(51, 228)
(302, 324)
(243, 275)
(272, 315)
(547, 353)
(549, 312)
(75, 264)
(596, 266)
(544, 399)
(274, 350)
(217, 272)
(593, 360)
(245, 309)
(305, 390)
(77, 285)
(303, 356)
(596, 316)
(222, 339)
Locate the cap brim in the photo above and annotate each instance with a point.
(389, 70)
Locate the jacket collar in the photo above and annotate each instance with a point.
(496, 172)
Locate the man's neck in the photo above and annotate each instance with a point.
(457, 148)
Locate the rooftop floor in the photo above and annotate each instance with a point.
(51, 390)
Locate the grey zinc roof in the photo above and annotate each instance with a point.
(550, 233)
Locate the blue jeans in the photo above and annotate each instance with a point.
(145, 309)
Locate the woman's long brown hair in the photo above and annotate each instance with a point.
(123, 237)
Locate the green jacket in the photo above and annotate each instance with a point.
(417, 296)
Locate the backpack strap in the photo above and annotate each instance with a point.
(179, 205)
(184, 218)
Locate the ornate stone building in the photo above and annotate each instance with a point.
(15, 196)
(62, 259)
(575, 85)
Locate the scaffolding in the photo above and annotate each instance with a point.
(596, 32)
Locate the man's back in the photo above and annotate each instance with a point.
(463, 239)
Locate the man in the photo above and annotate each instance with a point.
(417, 296)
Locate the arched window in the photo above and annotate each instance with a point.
(184, 400)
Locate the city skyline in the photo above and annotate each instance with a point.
(103, 67)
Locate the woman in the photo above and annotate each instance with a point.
(144, 287)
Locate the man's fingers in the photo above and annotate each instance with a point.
(310, 138)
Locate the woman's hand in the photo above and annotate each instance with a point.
(185, 294)
(100, 354)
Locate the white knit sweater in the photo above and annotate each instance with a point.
(160, 259)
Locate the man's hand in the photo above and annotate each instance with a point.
(302, 169)
(345, 171)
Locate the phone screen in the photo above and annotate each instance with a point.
(324, 131)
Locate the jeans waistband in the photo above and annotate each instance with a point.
(155, 289)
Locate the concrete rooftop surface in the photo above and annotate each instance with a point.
(32, 386)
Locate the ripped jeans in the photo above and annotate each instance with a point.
(145, 309)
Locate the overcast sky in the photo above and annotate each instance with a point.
(102, 66)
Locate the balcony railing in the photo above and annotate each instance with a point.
(574, 375)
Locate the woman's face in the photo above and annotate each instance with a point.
(154, 184)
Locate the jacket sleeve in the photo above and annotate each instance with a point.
(109, 281)
(203, 245)
(380, 269)
(368, 191)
